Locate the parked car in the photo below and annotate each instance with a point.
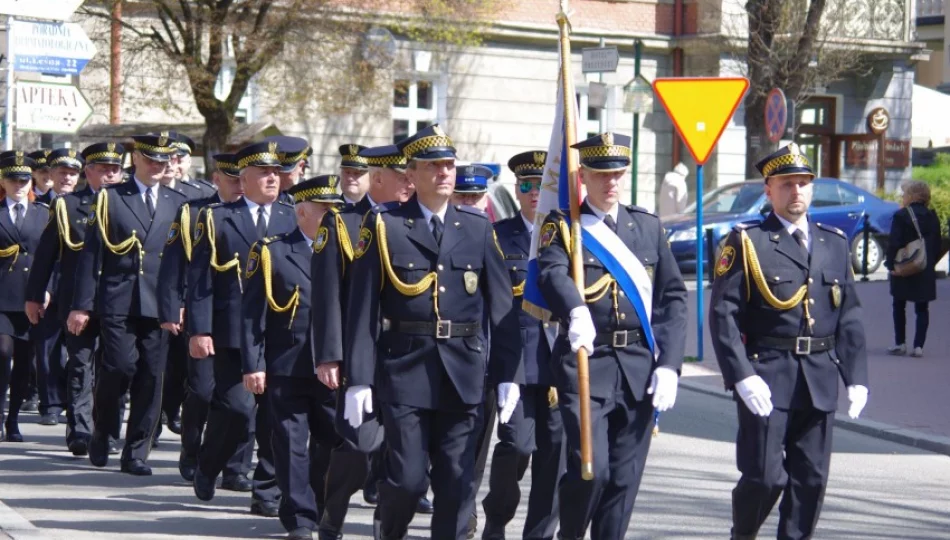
(834, 203)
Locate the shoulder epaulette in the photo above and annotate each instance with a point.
(284, 202)
(206, 183)
(272, 239)
(471, 210)
(384, 207)
(41, 203)
(739, 227)
(835, 230)
(639, 210)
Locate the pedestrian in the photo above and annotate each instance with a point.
(915, 220)
(416, 341)
(673, 192)
(21, 225)
(631, 320)
(116, 279)
(785, 321)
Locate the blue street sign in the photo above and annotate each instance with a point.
(53, 48)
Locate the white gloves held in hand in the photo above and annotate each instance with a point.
(663, 384)
(581, 331)
(359, 400)
(858, 396)
(508, 396)
(755, 394)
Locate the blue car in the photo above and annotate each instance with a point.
(834, 202)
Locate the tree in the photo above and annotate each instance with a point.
(308, 51)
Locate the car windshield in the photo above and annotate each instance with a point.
(731, 199)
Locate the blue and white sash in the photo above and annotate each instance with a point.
(625, 267)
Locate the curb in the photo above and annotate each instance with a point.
(16, 527)
(880, 430)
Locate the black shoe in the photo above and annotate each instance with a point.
(99, 450)
(174, 425)
(204, 485)
(13, 432)
(114, 449)
(370, 495)
(136, 467)
(266, 509)
(238, 482)
(300, 533)
(79, 446)
(424, 506)
(493, 531)
(49, 419)
(187, 466)
(31, 405)
(326, 532)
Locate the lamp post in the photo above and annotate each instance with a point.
(637, 98)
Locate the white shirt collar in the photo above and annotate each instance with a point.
(142, 187)
(426, 213)
(791, 228)
(11, 203)
(601, 214)
(528, 225)
(307, 238)
(253, 206)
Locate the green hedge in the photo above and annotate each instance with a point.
(938, 176)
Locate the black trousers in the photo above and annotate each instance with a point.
(621, 432)
(234, 420)
(15, 360)
(298, 424)
(322, 444)
(347, 472)
(176, 374)
(134, 350)
(534, 434)
(80, 372)
(47, 339)
(788, 452)
(416, 437)
(922, 313)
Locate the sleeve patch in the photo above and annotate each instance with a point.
(366, 237)
(199, 231)
(321, 240)
(172, 234)
(253, 262)
(548, 232)
(726, 258)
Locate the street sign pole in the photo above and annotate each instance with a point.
(634, 170)
(8, 111)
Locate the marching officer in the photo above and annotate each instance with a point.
(224, 235)
(21, 225)
(416, 340)
(171, 293)
(354, 173)
(786, 323)
(294, 152)
(535, 430)
(58, 253)
(41, 180)
(277, 353)
(631, 320)
(185, 147)
(116, 278)
(64, 166)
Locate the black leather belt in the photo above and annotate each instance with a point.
(440, 329)
(797, 345)
(617, 339)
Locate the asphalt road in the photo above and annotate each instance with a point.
(878, 490)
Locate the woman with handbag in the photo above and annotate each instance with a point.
(911, 257)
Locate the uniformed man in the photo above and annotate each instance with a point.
(439, 270)
(339, 232)
(181, 163)
(631, 320)
(786, 323)
(64, 165)
(41, 180)
(354, 173)
(535, 430)
(58, 252)
(21, 225)
(171, 293)
(277, 351)
(116, 277)
(223, 238)
(294, 152)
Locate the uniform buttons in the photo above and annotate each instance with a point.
(811, 301)
(441, 289)
(513, 268)
(622, 294)
(590, 259)
(811, 280)
(777, 278)
(811, 321)
(411, 265)
(623, 316)
(755, 356)
(468, 267)
(441, 267)
(546, 325)
(26, 269)
(836, 281)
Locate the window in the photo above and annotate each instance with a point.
(849, 197)
(222, 87)
(588, 118)
(414, 107)
(826, 194)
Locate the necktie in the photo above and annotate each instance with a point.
(261, 223)
(609, 221)
(149, 203)
(799, 237)
(437, 228)
(18, 212)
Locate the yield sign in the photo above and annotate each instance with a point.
(700, 108)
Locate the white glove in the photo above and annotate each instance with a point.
(359, 400)
(508, 396)
(755, 394)
(581, 332)
(858, 396)
(663, 385)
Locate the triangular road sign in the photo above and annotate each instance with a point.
(700, 108)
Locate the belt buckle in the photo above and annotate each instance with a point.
(803, 345)
(620, 339)
(443, 329)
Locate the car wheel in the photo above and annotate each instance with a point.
(875, 253)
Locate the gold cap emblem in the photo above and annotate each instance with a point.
(333, 181)
(539, 158)
(793, 149)
(19, 159)
(438, 130)
(354, 150)
(163, 138)
(272, 147)
(607, 139)
(111, 147)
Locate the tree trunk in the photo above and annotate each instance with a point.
(218, 126)
(757, 140)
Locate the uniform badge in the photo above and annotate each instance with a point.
(547, 235)
(836, 295)
(726, 258)
(172, 234)
(199, 232)
(471, 282)
(649, 270)
(253, 261)
(366, 237)
(92, 214)
(321, 240)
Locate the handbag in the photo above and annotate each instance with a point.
(912, 258)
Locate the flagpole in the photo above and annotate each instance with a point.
(577, 260)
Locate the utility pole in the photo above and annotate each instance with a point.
(115, 64)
